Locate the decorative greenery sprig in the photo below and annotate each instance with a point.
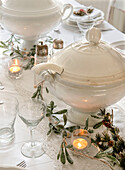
(55, 126)
(111, 145)
(38, 93)
(14, 51)
(9, 46)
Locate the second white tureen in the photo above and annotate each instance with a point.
(30, 19)
(87, 76)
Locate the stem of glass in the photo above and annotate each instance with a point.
(32, 138)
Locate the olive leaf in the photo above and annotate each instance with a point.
(90, 131)
(47, 90)
(62, 158)
(48, 133)
(60, 126)
(102, 113)
(61, 111)
(86, 124)
(56, 119)
(65, 119)
(69, 159)
(58, 156)
(113, 159)
(96, 117)
(5, 51)
(107, 151)
(11, 53)
(69, 146)
(97, 125)
(34, 95)
(72, 128)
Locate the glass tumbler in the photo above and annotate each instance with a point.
(8, 112)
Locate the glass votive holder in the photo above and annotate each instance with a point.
(81, 140)
(15, 69)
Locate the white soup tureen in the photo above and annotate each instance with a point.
(86, 76)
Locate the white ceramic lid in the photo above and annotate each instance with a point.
(93, 62)
(44, 6)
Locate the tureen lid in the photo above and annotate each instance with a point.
(93, 62)
(44, 6)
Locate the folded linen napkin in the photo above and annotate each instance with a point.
(95, 14)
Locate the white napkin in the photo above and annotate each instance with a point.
(95, 14)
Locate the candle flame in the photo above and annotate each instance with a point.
(14, 69)
(80, 143)
(16, 62)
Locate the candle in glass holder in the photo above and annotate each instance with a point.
(80, 143)
(80, 139)
(14, 68)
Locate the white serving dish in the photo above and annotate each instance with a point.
(86, 76)
(31, 19)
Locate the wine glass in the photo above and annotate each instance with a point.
(31, 113)
(85, 25)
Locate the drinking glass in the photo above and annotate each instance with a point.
(31, 113)
(85, 25)
(1, 86)
(8, 112)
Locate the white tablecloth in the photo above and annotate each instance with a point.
(24, 88)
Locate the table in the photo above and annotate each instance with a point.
(24, 87)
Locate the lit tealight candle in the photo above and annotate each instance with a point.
(80, 143)
(15, 71)
(14, 68)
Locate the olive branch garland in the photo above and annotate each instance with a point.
(111, 145)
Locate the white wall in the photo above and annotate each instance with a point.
(120, 4)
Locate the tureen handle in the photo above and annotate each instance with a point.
(47, 66)
(65, 7)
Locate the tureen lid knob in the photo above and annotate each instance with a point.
(93, 35)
